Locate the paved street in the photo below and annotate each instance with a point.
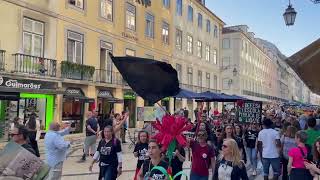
(76, 170)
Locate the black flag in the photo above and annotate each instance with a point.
(150, 79)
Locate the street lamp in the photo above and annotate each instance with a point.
(289, 15)
(235, 72)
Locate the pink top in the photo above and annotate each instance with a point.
(297, 157)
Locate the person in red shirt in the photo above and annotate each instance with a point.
(202, 157)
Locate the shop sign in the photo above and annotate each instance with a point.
(26, 83)
(145, 3)
(105, 94)
(74, 92)
(129, 95)
(129, 36)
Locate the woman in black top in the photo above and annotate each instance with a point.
(32, 127)
(154, 150)
(230, 166)
(109, 155)
(140, 150)
(250, 137)
(177, 161)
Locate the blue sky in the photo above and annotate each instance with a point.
(264, 18)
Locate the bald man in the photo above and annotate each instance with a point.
(56, 149)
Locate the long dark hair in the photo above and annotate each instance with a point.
(316, 154)
(108, 127)
(143, 131)
(32, 124)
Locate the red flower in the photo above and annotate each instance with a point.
(171, 128)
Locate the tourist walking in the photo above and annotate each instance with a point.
(56, 149)
(109, 155)
(140, 150)
(268, 146)
(92, 131)
(229, 166)
(297, 156)
(146, 172)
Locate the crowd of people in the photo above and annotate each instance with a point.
(285, 139)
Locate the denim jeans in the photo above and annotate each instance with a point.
(108, 172)
(194, 176)
(274, 162)
(252, 156)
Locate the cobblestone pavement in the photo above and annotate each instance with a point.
(74, 169)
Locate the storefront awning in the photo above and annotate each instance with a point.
(306, 63)
(105, 94)
(79, 98)
(9, 96)
(77, 94)
(39, 91)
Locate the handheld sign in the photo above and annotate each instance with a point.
(250, 111)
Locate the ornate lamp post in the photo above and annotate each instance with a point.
(289, 15)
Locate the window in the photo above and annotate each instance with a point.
(215, 31)
(225, 62)
(130, 52)
(107, 9)
(189, 44)
(199, 20)
(166, 3)
(208, 80)
(199, 49)
(179, 7)
(77, 3)
(208, 29)
(165, 33)
(190, 14)
(208, 53)
(200, 78)
(215, 56)
(148, 56)
(105, 62)
(131, 16)
(178, 39)
(149, 25)
(33, 37)
(226, 43)
(179, 71)
(75, 47)
(190, 76)
(226, 83)
(215, 82)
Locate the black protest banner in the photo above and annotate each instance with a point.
(250, 111)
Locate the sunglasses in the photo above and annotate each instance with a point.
(224, 146)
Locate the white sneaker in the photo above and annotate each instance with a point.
(254, 173)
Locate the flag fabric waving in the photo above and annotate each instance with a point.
(150, 79)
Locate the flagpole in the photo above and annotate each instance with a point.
(163, 108)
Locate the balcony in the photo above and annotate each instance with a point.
(105, 76)
(2, 59)
(70, 70)
(34, 65)
(197, 89)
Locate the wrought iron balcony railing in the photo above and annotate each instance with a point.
(35, 65)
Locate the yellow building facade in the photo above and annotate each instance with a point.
(54, 55)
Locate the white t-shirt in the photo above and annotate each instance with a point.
(268, 138)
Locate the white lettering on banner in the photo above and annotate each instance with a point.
(16, 84)
(73, 91)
